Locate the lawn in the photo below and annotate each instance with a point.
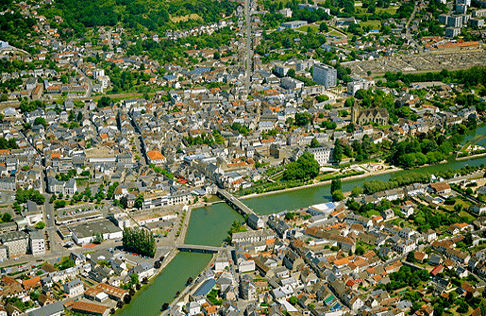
(391, 10)
(372, 213)
(335, 33)
(459, 201)
(305, 28)
(373, 24)
(470, 218)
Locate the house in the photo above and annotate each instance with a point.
(430, 235)
(155, 157)
(193, 308)
(74, 288)
(408, 208)
(479, 208)
(440, 188)
(12, 310)
(292, 261)
(144, 270)
(255, 222)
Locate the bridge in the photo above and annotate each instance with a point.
(236, 204)
(199, 248)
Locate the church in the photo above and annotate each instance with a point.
(364, 116)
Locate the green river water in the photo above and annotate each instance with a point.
(209, 226)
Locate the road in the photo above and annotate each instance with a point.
(407, 29)
(89, 91)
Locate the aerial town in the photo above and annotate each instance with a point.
(225, 158)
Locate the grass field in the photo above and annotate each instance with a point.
(305, 28)
(185, 18)
(374, 24)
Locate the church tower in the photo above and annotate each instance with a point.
(355, 112)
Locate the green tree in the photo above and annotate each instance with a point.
(314, 143)
(336, 185)
(305, 168)
(139, 241)
(337, 195)
(139, 201)
(302, 119)
(338, 151)
(6, 217)
(293, 300)
(40, 225)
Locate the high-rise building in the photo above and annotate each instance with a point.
(325, 75)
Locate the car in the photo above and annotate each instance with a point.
(48, 216)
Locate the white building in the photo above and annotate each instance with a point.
(37, 244)
(74, 288)
(325, 75)
(291, 83)
(323, 155)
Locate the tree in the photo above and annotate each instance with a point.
(314, 143)
(139, 241)
(138, 201)
(338, 151)
(357, 190)
(40, 225)
(6, 217)
(468, 240)
(336, 185)
(302, 119)
(463, 308)
(337, 195)
(305, 168)
(98, 238)
(293, 300)
(411, 257)
(323, 27)
(104, 102)
(165, 306)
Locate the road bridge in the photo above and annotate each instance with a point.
(199, 248)
(236, 204)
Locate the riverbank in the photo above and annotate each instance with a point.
(171, 255)
(167, 259)
(187, 289)
(327, 182)
(472, 157)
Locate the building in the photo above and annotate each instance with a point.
(74, 288)
(452, 32)
(253, 236)
(143, 270)
(37, 244)
(112, 292)
(291, 83)
(156, 157)
(16, 243)
(364, 116)
(440, 188)
(477, 23)
(90, 308)
(354, 86)
(255, 222)
(293, 24)
(53, 309)
(323, 155)
(324, 75)
(85, 233)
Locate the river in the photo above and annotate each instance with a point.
(163, 289)
(209, 226)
